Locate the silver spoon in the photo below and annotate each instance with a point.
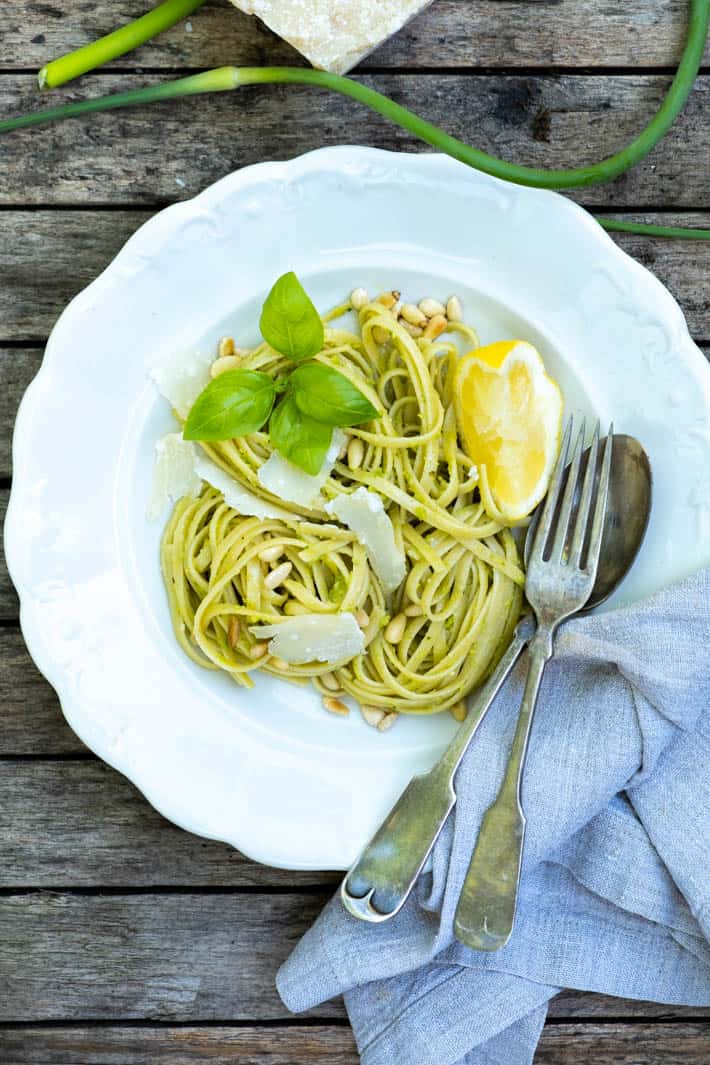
(378, 884)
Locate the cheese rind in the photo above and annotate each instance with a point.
(334, 35)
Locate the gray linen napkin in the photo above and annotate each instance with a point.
(615, 892)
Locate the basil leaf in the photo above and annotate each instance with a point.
(300, 439)
(289, 322)
(326, 395)
(234, 404)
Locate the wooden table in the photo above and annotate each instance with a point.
(124, 941)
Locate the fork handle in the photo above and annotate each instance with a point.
(486, 908)
(393, 859)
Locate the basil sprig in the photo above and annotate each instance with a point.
(313, 398)
(234, 404)
(302, 440)
(326, 395)
(289, 322)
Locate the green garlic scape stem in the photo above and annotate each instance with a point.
(225, 78)
(123, 40)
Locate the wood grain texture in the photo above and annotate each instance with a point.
(83, 824)
(634, 1044)
(565, 121)
(17, 368)
(31, 722)
(452, 33)
(46, 257)
(9, 606)
(184, 957)
(148, 923)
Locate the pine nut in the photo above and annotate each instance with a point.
(454, 310)
(411, 313)
(413, 611)
(259, 649)
(356, 453)
(459, 710)
(330, 681)
(388, 299)
(436, 327)
(278, 575)
(395, 630)
(362, 617)
(233, 631)
(396, 310)
(279, 663)
(413, 330)
(225, 347)
(270, 554)
(372, 714)
(221, 365)
(380, 335)
(293, 607)
(358, 298)
(431, 307)
(387, 721)
(335, 706)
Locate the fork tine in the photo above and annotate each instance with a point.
(580, 528)
(595, 538)
(563, 519)
(543, 526)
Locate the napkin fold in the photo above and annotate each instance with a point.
(615, 888)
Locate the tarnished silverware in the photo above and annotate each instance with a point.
(561, 572)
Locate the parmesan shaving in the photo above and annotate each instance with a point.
(330, 638)
(174, 475)
(364, 513)
(236, 496)
(180, 379)
(180, 469)
(286, 481)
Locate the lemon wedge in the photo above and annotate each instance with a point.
(509, 413)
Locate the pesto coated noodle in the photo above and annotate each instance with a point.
(462, 591)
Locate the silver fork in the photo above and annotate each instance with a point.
(561, 571)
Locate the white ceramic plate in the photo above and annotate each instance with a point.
(270, 771)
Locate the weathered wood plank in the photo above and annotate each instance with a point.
(632, 1044)
(452, 33)
(17, 368)
(31, 721)
(46, 257)
(108, 835)
(138, 157)
(603, 1044)
(170, 957)
(9, 606)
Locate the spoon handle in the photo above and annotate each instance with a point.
(380, 881)
(486, 908)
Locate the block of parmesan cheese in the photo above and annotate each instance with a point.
(333, 34)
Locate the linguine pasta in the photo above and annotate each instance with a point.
(439, 634)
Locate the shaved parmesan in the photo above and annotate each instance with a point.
(181, 378)
(327, 638)
(235, 495)
(364, 513)
(286, 481)
(174, 475)
(180, 469)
